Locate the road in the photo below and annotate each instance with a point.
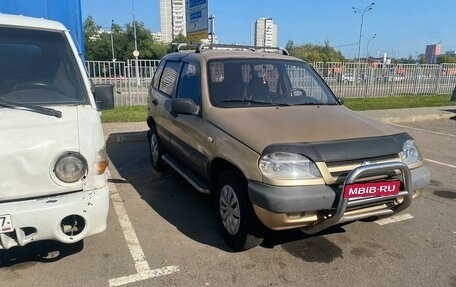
(161, 232)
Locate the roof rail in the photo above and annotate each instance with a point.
(184, 46)
(206, 46)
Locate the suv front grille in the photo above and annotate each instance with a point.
(338, 171)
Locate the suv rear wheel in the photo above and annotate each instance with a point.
(156, 151)
(236, 218)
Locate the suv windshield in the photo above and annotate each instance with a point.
(37, 67)
(257, 82)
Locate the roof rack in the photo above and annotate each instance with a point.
(206, 46)
(184, 46)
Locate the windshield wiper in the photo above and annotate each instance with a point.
(310, 104)
(243, 101)
(30, 107)
(251, 101)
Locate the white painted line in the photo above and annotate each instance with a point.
(143, 276)
(142, 267)
(441, 163)
(394, 219)
(423, 130)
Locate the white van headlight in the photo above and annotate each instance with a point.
(410, 152)
(286, 166)
(70, 167)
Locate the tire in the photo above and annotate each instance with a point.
(235, 216)
(156, 151)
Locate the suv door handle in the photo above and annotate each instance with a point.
(154, 101)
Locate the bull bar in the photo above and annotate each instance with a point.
(344, 203)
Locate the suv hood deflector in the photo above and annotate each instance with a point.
(352, 149)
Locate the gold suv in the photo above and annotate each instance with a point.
(263, 133)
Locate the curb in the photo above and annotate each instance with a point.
(127, 137)
(415, 118)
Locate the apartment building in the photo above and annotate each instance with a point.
(432, 51)
(172, 19)
(265, 32)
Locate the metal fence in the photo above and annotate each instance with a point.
(353, 80)
(132, 79)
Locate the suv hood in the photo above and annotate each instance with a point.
(260, 127)
(29, 145)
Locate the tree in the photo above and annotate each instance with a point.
(446, 59)
(180, 39)
(98, 42)
(289, 46)
(422, 59)
(315, 53)
(92, 39)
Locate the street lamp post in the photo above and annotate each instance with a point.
(135, 52)
(367, 48)
(112, 42)
(362, 12)
(212, 21)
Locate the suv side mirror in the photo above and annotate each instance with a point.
(341, 100)
(184, 106)
(104, 96)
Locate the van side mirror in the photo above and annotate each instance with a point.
(184, 106)
(104, 96)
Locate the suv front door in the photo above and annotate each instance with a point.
(187, 129)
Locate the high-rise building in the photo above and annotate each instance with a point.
(431, 53)
(172, 19)
(265, 32)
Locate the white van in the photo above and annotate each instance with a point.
(53, 184)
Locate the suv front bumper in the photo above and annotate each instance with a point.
(320, 206)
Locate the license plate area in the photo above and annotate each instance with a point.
(372, 189)
(6, 224)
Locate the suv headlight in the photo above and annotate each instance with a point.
(410, 152)
(286, 166)
(70, 167)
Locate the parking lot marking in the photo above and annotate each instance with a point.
(143, 276)
(142, 267)
(394, 219)
(423, 130)
(441, 163)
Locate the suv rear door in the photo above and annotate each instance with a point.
(161, 93)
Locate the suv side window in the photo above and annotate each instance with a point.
(189, 85)
(157, 75)
(169, 77)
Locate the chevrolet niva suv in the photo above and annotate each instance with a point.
(262, 132)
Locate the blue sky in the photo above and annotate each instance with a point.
(402, 27)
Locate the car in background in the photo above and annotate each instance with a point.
(348, 78)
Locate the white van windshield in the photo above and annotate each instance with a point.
(38, 67)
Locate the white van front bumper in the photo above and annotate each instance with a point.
(67, 218)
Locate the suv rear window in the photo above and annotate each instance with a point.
(241, 83)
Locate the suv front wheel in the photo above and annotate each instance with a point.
(236, 218)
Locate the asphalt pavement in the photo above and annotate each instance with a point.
(135, 131)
